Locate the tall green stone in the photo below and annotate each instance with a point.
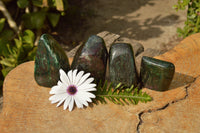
(122, 68)
(50, 57)
(156, 74)
(92, 57)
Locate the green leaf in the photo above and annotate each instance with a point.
(3, 48)
(18, 43)
(31, 54)
(28, 37)
(6, 70)
(5, 39)
(192, 16)
(2, 22)
(9, 62)
(34, 20)
(7, 34)
(119, 95)
(22, 3)
(37, 3)
(53, 18)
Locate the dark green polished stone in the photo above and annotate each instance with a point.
(122, 66)
(156, 74)
(50, 57)
(92, 57)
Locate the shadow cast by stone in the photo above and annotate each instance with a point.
(180, 79)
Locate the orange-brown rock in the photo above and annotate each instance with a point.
(26, 107)
(180, 115)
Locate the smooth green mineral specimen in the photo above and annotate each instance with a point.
(122, 68)
(92, 57)
(50, 57)
(156, 74)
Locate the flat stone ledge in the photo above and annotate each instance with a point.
(178, 117)
(26, 107)
(1, 103)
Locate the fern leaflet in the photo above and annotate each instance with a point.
(120, 94)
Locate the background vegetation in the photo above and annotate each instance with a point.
(21, 24)
(192, 24)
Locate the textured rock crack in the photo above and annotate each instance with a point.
(163, 107)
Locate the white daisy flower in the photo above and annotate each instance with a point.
(73, 87)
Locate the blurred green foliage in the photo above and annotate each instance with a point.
(21, 51)
(192, 24)
(16, 48)
(41, 12)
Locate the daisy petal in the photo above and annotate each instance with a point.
(88, 81)
(82, 100)
(59, 83)
(78, 103)
(88, 94)
(61, 101)
(71, 104)
(85, 96)
(89, 100)
(56, 89)
(64, 78)
(85, 103)
(70, 76)
(86, 86)
(74, 76)
(56, 98)
(60, 91)
(90, 89)
(83, 78)
(53, 89)
(78, 77)
(73, 88)
(66, 103)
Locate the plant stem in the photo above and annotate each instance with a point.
(122, 96)
(10, 20)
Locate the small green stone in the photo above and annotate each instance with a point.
(156, 74)
(92, 57)
(122, 68)
(50, 57)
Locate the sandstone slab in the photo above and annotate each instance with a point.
(1, 103)
(29, 110)
(180, 115)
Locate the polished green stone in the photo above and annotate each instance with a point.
(92, 57)
(156, 74)
(50, 57)
(122, 68)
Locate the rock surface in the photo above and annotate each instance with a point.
(122, 68)
(50, 57)
(156, 74)
(92, 57)
(178, 117)
(1, 103)
(175, 110)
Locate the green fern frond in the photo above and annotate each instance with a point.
(120, 94)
